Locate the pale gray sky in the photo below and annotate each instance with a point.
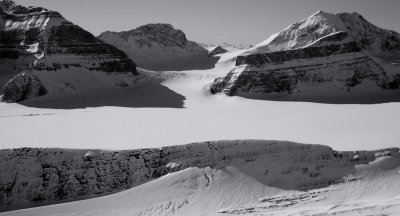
(214, 21)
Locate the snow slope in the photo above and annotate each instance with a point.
(372, 190)
(193, 191)
(33, 177)
(369, 189)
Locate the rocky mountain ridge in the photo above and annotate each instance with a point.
(33, 176)
(334, 58)
(35, 40)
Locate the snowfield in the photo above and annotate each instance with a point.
(204, 117)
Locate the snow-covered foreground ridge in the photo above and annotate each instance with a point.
(334, 58)
(31, 176)
(372, 190)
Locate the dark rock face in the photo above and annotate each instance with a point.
(70, 39)
(368, 34)
(280, 57)
(338, 55)
(35, 176)
(164, 34)
(37, 39)
(160, 47)
(217, 50)
(23, 86)
(285, 79)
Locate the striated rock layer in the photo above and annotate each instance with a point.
(334, 58)
(31, 176)
(36, 39)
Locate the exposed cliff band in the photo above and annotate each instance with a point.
(35, 40)
(334, 58)
(33, 176)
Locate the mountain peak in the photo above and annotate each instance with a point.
(154, 33)
(160, 46)
(158, 25)
(352, 26)
(320, 13)
(5, 5)
(8, 2)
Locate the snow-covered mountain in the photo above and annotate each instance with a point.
(52, 55)
(227, 46)
(216, 176)
(324, 28)
(160, 47)
(337, 58)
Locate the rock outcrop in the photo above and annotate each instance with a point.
(216, 51)
(31, 176)
(160, 47)
(23, 86)
(334, 58)
(37, 40)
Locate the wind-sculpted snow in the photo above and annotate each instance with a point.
(325, 58)
(33, 176)
(160, 47)
(372, 190)
(35, 39)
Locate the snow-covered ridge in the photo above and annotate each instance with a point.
(372, 189)
(322, 24)
(34, 39)
(329, 58)
(36, 176)
(160, 47)
(227, 46)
